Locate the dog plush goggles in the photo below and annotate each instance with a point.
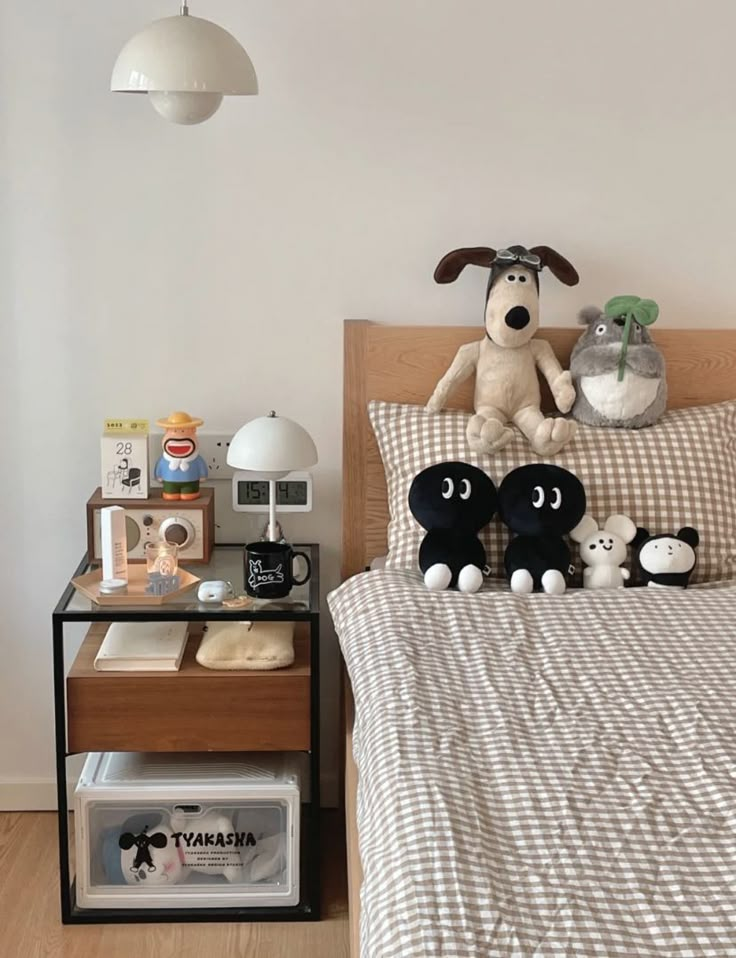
(505, 257)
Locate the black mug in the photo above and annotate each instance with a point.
(269, 569)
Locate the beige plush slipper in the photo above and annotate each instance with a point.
(247, 645)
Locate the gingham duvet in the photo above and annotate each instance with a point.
(543, 776)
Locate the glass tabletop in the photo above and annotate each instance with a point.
(226, 565)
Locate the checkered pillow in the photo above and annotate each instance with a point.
(680, 472)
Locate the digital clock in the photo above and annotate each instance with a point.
(293, 493)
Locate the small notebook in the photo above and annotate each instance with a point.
(142, 647)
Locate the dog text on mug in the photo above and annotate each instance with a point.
(258, 576)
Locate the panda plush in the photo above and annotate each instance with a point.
(540, 503)
(667, 559)
(453, 502)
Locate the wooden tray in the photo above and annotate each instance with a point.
(89, 585)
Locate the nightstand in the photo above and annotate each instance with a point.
(191, 710)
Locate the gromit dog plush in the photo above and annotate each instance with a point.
(505, 362)
(540, 503)
(453, 502)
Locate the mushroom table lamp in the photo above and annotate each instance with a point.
(269, 448)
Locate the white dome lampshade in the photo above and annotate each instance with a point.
(272, 446)
(185, 65)
(269, 448)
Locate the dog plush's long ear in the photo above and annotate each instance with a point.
(557, 264)
(452, 264)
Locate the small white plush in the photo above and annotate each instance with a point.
(603, 550)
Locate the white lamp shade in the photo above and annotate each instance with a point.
(184, 54)
(186, 108)
(272, 445)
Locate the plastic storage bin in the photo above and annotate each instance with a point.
(173, 831)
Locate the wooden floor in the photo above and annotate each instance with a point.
(29, 909)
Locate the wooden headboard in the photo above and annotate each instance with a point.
(403, 363)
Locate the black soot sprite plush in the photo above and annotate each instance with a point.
(540, 504)
(453, 502)
(667, 559)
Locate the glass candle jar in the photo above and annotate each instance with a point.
(162, 558)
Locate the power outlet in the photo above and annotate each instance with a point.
(213, 448)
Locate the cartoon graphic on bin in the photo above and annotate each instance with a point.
(180, 467)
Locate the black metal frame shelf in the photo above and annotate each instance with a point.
(308, 908)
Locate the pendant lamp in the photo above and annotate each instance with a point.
(186, 65)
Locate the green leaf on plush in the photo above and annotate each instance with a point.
(634, 309)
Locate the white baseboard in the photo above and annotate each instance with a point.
(33, 795)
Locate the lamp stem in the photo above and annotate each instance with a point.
(272, 510)
(184, 8)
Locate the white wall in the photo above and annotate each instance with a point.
(145, 266)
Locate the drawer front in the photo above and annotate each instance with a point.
(191, 710)
(187, 852)
(218, 713)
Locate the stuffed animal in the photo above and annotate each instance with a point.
(604, 396)
(157, 852)
(505, 361)
(265, 860)
(148, 853)
(603, 550)
(540, 503)
(210, 844)
(667, 560)
(453, 502)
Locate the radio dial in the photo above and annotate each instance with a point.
(147, 520)
(178, 531)
(132, 533)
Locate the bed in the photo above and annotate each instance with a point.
(467, 851)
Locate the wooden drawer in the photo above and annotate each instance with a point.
(192, 710)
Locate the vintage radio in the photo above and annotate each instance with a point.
(190, 524)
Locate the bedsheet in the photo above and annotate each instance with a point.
(543, 776)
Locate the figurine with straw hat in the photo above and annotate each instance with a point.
(180, 467)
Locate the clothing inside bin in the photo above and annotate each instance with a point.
(158, 847)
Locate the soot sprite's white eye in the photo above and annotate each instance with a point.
(511, 277)
(556, 501)
(465, 489)
(538, 497)
(600, 330)
(448, 487)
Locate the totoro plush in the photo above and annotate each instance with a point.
(603, 397)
